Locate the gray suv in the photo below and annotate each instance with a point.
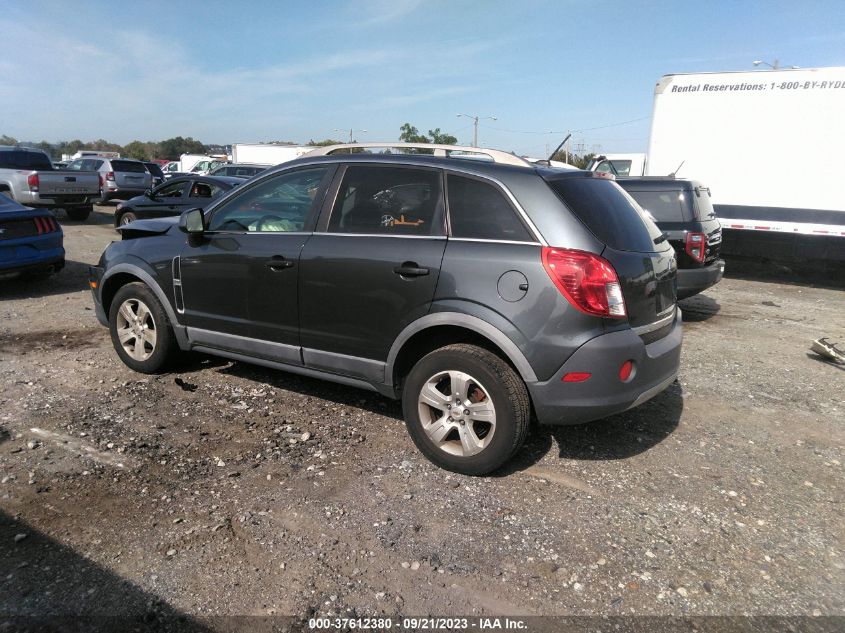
(122, 178)
(479, 292)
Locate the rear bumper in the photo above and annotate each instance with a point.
(604, 393)
(691, 281)
(59, 200)
(124, 193)
(32, 254)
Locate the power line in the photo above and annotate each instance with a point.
(585, 129)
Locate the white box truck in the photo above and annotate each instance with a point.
(765, 143)
(266, 153)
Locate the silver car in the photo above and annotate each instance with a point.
(122, 178)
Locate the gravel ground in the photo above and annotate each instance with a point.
(225, 488)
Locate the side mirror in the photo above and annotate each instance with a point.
(192, 222)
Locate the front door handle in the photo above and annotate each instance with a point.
(278, 263)
(410, 269)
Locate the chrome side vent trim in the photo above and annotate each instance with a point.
(176, 270)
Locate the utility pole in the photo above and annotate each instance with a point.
(351, 132)
(475, 125)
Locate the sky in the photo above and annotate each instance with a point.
(231, 72)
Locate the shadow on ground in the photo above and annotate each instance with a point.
(815, 273)
(72, 278)
(699, 308)
(619, 436)
(100, 215)
(47, 586)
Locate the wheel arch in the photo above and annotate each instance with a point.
(444, 328)
(125, 273)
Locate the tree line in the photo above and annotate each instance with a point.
(169, 149)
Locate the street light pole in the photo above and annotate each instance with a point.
(475, 125)
(774, 66)
(351, 131)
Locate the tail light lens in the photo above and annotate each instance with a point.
(32, 181)
(696, 245)
(587, 281)
(45, 225)
(110, 175)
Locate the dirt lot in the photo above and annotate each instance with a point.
(249, 491)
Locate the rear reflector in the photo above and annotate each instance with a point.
(626, 370)
(576, 376)
(587, 281)
(696, 245)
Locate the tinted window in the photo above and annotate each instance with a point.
(703, 204)
(154, 169)
(666, 205)
(388, 201)
(204, 190)
(480, 210)
(609, 212)
(128, 165)
(281, 203)
(25, 160)
(175, 190)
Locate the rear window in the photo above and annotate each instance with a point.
(154, 169)
(703, 204)
(128, 165)
(25, 160)
(609, 213)
(666, 205)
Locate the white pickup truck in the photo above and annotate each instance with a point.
(27, 176)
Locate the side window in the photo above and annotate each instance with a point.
(623, 167)
(388, 201)
(478, 210)
(200, 190)
(175, 190)
(281, 203)
(74, 165)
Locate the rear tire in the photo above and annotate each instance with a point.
(79, 214)
(140, 330)
(466, 409)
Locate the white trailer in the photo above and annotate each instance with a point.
(765, 142)
(267, 153)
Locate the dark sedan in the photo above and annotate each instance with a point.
(30, 240)
(173, 197)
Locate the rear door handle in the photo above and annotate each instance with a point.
(410, 269)
(278, 263)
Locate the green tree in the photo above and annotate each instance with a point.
(442, 138)
(324, 142)
(8, 140)
(136, 149)
(173, 148)
(409, 134)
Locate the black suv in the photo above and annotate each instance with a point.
(478, 292)
(682, 210)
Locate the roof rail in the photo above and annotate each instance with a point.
(445, 151)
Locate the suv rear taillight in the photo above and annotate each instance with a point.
(696, 245)
(587, 281)
(32, 181)
(109, 175)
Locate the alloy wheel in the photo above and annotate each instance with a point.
(457, 413)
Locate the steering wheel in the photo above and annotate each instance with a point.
(268, 219)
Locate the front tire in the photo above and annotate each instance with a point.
(466, 409)
(126, 217)
(140, 330)
(79, 214)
